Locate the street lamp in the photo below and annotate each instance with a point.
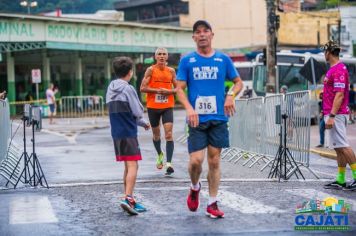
(29, 4)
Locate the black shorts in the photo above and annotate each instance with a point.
(154, 115)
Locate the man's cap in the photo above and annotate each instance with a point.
(199, 23)
(331, 46)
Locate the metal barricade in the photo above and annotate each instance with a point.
(255, 126)
(9, 167)
(236, 132)
(255, 133)
(298, 110)
(184, 137)
(81, 106)
(9, 151)
(4, 128)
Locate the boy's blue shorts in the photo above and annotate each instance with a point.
(212, 132)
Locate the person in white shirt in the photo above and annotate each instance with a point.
(51, 101)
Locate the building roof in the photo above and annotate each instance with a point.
(92, 21)
(123, 5)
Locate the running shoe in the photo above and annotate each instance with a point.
(139, 207)
(351, 187)
(193, 199)
(320, 146)
(128, 204)
(159, 161)
(169, 170)
(335, 185)
(213, 211)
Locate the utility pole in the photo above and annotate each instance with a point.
(271, 46)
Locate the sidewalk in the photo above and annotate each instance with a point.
(327, 152)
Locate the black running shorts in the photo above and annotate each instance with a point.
(154, 115)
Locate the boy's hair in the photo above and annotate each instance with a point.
(122, 66)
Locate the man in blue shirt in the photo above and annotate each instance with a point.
(204, 72)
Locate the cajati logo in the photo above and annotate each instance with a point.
(329, 214)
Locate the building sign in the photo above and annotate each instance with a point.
(83, 33)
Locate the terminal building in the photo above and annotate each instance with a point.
(76, 54)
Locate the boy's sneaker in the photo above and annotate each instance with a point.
(169, 170)
(213, 211)
(335, 185)
(351, 187)
(139, 207)
(159, 161)
(320, 146)
(193, 199)
(128, 204)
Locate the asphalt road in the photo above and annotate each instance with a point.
(85, 187)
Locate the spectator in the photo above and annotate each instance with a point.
(96, 100)
(284, 89)
(247, 93)
(3, 95)
(352, 104)
(51, 101)
(321, 122)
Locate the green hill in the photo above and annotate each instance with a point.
(67, 6)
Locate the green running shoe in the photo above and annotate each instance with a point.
(159, 161)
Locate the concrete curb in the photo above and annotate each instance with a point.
(324, 153)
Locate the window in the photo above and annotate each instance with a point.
(259, 80)
(131, 15)
(245, 73)
(290, 76)
(146, 13)
(162, 10)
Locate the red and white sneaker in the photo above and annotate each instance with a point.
(193, 199)
(213, 211)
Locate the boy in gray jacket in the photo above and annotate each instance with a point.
(126, 113)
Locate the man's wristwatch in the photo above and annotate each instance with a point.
(332, 115)
(231, 93)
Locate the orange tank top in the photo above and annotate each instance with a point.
(160, 79)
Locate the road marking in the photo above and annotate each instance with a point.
(313, 193)
(31, 210)
(70, 138)
(243, 204)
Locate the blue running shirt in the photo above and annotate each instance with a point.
(205, 77)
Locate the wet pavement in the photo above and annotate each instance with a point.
(77, 157)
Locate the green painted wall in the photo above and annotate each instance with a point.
(11, 95)
(79, 87)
